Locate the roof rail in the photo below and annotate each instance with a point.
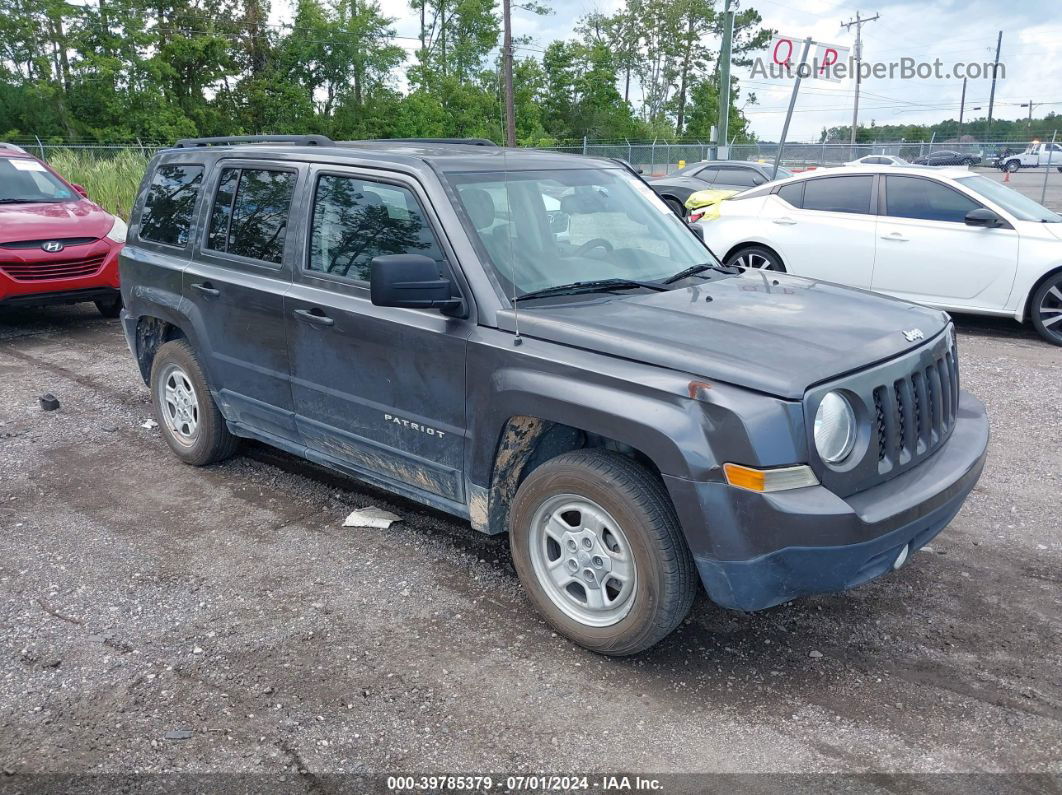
(468, 141)
(229, 140)
(12, 148)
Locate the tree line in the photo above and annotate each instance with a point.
(157, 70)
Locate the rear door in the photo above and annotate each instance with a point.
(379, 389)
(235, 285)
(823, 227)
(927, 253)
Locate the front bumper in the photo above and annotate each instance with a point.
(755, 550)
(98, 283)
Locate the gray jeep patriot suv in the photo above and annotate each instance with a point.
(535, 343)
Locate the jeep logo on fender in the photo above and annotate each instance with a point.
(914, 335)
(414, 426)
(52, 246)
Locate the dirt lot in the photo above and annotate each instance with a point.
(139, 596)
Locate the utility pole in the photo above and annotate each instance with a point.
(858, 23)
(724, 82)
(962, 108)
(1030, 105)
(992, 94)
(507, 73)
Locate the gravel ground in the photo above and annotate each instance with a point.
(140, 597)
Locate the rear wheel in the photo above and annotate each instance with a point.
(190, 421)
(756, 258)
(1046, 309)
(110, 308)
(597, 546)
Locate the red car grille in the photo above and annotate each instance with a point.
(53, 269)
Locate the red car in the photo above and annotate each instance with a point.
(56, 246)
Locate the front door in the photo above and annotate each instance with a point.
(236, 282)
(379, 390)
(927, 253)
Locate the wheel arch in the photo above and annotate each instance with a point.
(151, 334)
(752, 244)
(1026, 305)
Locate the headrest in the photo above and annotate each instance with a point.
(480, 207)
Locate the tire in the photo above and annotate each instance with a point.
(189, 419)
(675, 206)
(1045, 308)
(627, 537)
(1012, 166)
(110, 309)
(756, 258)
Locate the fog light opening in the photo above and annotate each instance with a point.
(902, 557)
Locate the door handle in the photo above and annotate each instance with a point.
(895, 236)
(207, 288)
(314, 316)
(785, 221)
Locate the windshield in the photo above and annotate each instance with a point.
(1018, 205)
(541, 229)
(25, 180)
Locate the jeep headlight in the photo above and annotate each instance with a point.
(835, 428)
(118, 230)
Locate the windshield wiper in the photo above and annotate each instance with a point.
(596, 285)
(693, 270)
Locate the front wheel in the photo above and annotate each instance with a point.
(1046, 309)
(756, 258)
(598, 548)
(1012, 166)
(187, 415)
(110, 309)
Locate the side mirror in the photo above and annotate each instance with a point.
(80, 189)
(697, 229)
(558, 222)
(411, 281)
(982, 216)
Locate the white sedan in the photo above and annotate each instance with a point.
(938, 236)
(878, 160)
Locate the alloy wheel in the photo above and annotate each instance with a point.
(583, 560)
(180, 405)
(1050, 310)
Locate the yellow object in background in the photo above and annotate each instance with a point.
(705, 203)
(682, 164)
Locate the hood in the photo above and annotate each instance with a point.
(769, 332)
(45, 220)
(1055, 230)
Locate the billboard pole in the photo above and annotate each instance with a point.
(792, 104)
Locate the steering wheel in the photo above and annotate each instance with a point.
(590, 245)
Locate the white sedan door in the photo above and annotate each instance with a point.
(822, 227)
(927, 253)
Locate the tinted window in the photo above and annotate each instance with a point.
(741, 177)
(793, 193)
(908, 197)
(355, 220)
(839, 194)
(167, 215)
(250, 214)
(708, 174)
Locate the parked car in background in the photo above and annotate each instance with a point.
(878, 160)
(942, 237)
(946, 157)
(646, 421)
(1037, 155)
(56, 245)
(738, 175)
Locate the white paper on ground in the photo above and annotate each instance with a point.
(371, 517)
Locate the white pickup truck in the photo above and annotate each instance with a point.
(1037, 155)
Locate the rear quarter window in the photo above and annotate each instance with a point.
(171, 197)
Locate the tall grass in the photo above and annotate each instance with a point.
(110, 179)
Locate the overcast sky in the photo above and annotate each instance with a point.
(952, 30)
